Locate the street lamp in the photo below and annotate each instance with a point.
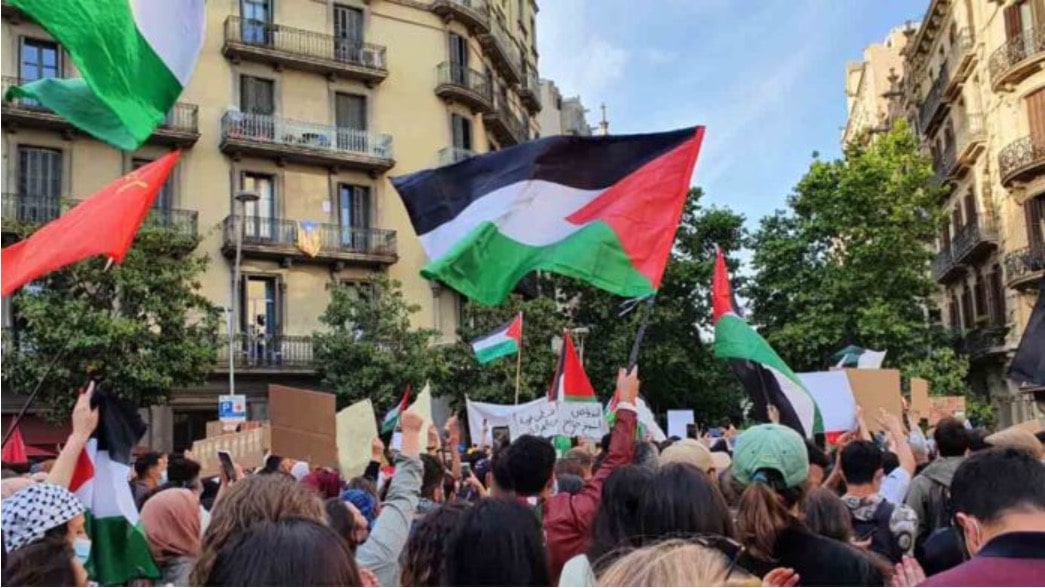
(239, 226)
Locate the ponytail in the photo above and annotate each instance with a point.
(762, 514)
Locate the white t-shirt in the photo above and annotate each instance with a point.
(577, 572)
(895, 485)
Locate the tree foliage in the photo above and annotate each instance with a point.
(142, 325)
(369, 348)
(849, 261)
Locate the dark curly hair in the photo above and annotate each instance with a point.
(45, 562)
(421, 562)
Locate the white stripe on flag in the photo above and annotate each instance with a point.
(801, 401)
(174, 30)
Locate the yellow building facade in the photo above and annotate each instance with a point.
(873, 97)
(975, 92)
(312, 105)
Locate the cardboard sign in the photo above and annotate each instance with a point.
(920, 397)
(247, 448)
(356, 429)
(875, 389)
(303, 425)
(941, 407)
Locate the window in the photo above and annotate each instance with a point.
(163, 199)
(257, 21)
(261, 319)
(353, 211)
(967, 311)
(259, 216)
(257, 95)
(39, 183)
(350, 111)
(996, 295)
(458, 59)
(1034, 212)
(1035, 102)
(348, 33)
(956, 220)
(462, 131)
(980, 296)
(40, 60)
(970, 208)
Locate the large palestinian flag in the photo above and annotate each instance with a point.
(134, 56)
(505, 340)
(767, 379)
(570, 383)
(599, 209)
(119, 551)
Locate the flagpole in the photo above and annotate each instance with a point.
(633, 357)
(518, 372)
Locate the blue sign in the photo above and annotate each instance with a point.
(232, 408)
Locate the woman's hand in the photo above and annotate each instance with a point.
(780, 577)
(908, 572)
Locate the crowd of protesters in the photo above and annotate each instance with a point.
(885, 505)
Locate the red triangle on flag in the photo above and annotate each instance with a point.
(14, 450)
(515, 329)
(571, 383)
(721, 292)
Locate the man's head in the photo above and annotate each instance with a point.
(818, 462)
(149, 468)
(952, 440)
(528, 464)
(432, 479)
(583, 459)
(861, 463)
(273, 464)
(997, 491)
(183, 472)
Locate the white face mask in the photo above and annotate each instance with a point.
(82, 549)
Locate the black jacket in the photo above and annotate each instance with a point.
(819, 561)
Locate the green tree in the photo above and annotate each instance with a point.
(849, 262)
(369, 348)
(142, 325)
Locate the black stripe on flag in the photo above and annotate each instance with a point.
(120, 425)
(436, 196)
(763, 389)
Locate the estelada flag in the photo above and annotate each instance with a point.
(765, 376)
(104, 224)
(599, 209)
(570, 383)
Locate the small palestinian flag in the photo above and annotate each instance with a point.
(391, 419)
(603, 210)
(505, 340)
(767, 379)
(570, 382)
(134, 56)
(119, 551)
(854, 356)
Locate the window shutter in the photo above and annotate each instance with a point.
(1013, 22)
(1036, 116)
(970, 208)
(1034, 212)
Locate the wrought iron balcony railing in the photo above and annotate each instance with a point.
(475, 14)
(503, 50)
(530, 91)
(327, 51)
(450, 155)
(933, 101)
(35, 210)
(274, 130)
(1024, 266)
(1021, 159)
(984, 340)
(944, 163)
(942, 263)
(971, 236)
(266, 352)
(1015, 51)
(456, 82)
(329, 240)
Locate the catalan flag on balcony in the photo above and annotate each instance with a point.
(309, 239)
(135, 57)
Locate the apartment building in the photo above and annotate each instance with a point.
(312, 105)
(562, 116)
(873, 95)
(975, 92)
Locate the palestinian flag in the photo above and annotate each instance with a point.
(391, 419)
(505, 340)
(570, 382)
(599, 209)
(1028, 365)
(765, 376)
(854, 356)
(135, 57)
(119, 551)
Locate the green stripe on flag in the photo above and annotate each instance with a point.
(486, 265)
(126, 89)
(119, 551)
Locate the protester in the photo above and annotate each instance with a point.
(583, 461)
(365, 503)
(422, 560)
(696, 454)
(497, 542)
(682, 500)
(1019, 439)
(615, 527)
(150, 472)
(171, 521)
(431, 485)
(290, 551)
(890, 526)
(824, 513)
(998, 496)
(524, 469)
(819, 462)
(929, 497)
(771, 464)
(45, 538)
(682, 563)
(646, 455)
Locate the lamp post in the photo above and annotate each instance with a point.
(239, 225)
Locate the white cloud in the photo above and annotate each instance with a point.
(578, 58)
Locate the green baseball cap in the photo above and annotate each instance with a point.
(771, 447)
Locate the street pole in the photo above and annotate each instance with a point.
(239, 225)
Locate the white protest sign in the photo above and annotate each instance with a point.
(582, 419)
(540, 418)
(834, 396)
(495, 415)
(677, 421)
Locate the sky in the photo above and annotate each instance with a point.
(767, 78)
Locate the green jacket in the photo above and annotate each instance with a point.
(938, 472)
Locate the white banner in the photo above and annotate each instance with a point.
(539, 417)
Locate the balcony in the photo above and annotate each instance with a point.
(944, 163)
(506, 128)
(267, 354)
(452, 155)
(944, 270)
(457, 83)
(961, 60)
(308, 242)
(983, 342)
(288, 140)
(932, 109)
(502, 51)
(1016, 59)
(1024, 267)
(1021, 161)
(474, 14)
(22, 214)
(974, 241)
(530, 93)
(972, 140)
(179, 129)
(282, 46)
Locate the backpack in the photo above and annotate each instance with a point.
(883, 541)
(940, 548)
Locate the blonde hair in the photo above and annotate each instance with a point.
(674, 562)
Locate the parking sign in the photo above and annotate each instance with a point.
(232, 408)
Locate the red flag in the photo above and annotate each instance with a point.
(14, 450)
(570, 382)
(104, 224)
